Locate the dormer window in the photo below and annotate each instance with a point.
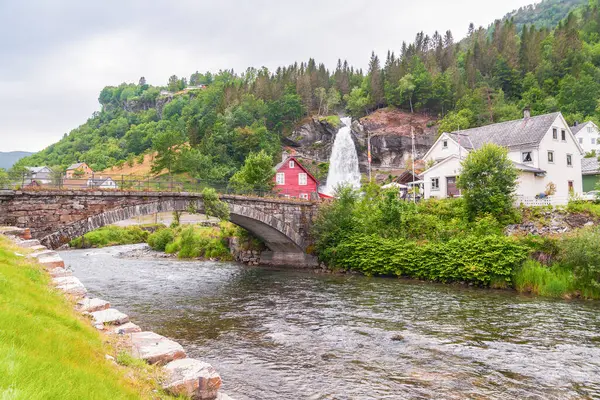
(563, 135)
(292, 164)
(527, 157)
(445, 144)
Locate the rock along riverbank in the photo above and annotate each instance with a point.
(183, 376)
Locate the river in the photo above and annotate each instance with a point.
(285, 334)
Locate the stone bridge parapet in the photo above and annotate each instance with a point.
(55, 217)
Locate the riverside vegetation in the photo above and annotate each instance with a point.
(42, 337)
(374, 232)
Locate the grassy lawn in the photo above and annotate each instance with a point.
(47, 351)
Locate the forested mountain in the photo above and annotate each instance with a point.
(545, 14)
(207, 126)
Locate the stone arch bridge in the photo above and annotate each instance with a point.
(56, 217)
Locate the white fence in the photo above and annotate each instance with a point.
(540, 202)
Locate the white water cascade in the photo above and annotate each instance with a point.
(343, 163)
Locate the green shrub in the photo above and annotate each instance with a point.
(470, 259)
(190, 244)
(111, 236)
(161, 238)
(580, 252)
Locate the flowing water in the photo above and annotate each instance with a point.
(343, 163)
(284, 334)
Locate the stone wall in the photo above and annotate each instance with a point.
(56, 217)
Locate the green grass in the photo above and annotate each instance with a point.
(538, 279)
(46, 350)
(110, 236)
(333, 120)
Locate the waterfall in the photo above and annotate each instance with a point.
(343, 163)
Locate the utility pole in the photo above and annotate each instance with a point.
(412, 136)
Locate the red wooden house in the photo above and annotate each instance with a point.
(293, 180)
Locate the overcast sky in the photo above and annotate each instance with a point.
(56, 56)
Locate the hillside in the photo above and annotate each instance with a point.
(207, 125)
(545, 14)
(8, 159)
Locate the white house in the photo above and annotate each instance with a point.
(102, 183)
(42, 175)
(588, 136)
(543, 148)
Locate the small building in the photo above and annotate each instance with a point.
(78, 169)
(542, 148)
(102, 183)
(293, 180)
(41, 175)
(588, 136)
(590, 171)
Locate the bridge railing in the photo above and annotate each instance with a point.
(145, 183)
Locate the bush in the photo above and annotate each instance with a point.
(470, 259)
(111, 236)
(161, 238)
(581, 253)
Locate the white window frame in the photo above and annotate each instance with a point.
(445, 144)
(434, 187)
(280, 178)
(292, 164)
(563, 135)
(304, 196)
(593, 140)
(530, 156)
(580, 140)
(555, 134)
(570, 157)
(303, 179)
(551, 153)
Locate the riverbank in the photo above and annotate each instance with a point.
(146, 365)
(49, 351)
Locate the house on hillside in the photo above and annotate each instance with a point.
(41, 175)
(590, 171)
(293, 180)
(588, 136)
(542, 148)
(78, 170)
(102, 183)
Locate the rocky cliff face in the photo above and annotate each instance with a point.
(390, 133)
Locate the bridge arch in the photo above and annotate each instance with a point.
(278, 236)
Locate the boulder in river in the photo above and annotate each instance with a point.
(192, 378)
(110, 316)
(91, 305)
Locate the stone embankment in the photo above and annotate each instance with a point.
(183, 376)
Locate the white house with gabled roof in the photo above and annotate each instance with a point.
(588, 136)
(543, 149)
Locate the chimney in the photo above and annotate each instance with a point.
(284, 155)
(526, 113)
(576, 123)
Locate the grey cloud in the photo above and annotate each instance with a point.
(55, 56)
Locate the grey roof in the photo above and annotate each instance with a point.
(35, 170)
(75, 166)
(520, 132)
(528, 168)
(590, 166)
(576, 128)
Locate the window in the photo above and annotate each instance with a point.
(554, 133)
(292, 164)
(280, 178)
(593, 140)
(435, 183)
(569, 160)
(563, 135)
(304, 196)
(302, 179)
(527, 158)
(445, 144)
(571, 186)
(590, 129)
(551, 157)
(580, 140)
